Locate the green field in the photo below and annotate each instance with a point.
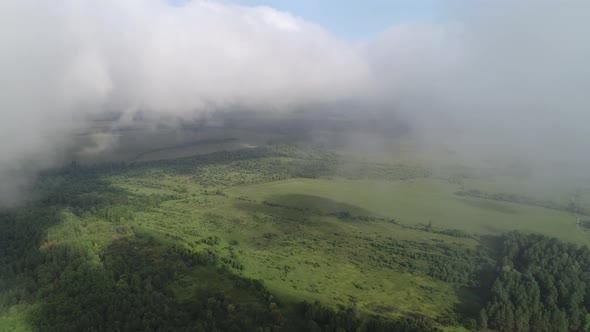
(424, 201)
(389, 240)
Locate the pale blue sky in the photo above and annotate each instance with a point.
(353, 19)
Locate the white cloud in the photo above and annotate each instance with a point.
(64, 60)
(517, 71)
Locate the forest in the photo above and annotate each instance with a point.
(541, 285)
(286, 166)
(90, 253)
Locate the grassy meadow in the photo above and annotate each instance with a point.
(389, 238)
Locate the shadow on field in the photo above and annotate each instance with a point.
(472, 300)
(28, 262)
(501, 207)
(299, 208)
(77, 285)
(467, 310)
(129, 289)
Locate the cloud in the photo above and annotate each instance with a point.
(488, 75)
(62, 62)
(500, 76)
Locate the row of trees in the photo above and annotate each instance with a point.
(522, 199)
(269, 163)
(447, 262)
(321, 318)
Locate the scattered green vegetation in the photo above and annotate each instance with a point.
(280, 238)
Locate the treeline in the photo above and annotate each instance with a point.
(526, 200)
(447, 262)
(320, 318)
(380, 171)
(542, 285)
(84, 193)
(244, 166)
(185, 145)
(191, 164)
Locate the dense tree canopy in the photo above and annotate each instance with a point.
(542, 285)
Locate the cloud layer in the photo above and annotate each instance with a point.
(64, 61)
(490, 74)
(503, 75)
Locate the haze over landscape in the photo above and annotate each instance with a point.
(313, 164)
(484, 77)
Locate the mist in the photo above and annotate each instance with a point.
(488, 79)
